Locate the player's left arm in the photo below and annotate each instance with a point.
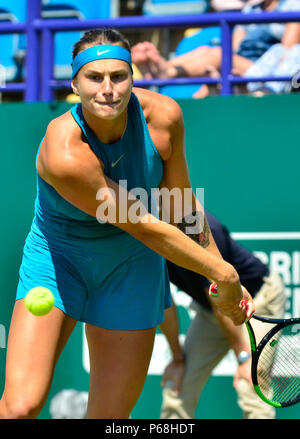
(189, 216)
(165, 123)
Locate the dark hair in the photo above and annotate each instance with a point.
(100, 36)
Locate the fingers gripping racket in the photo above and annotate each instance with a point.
(275, 366)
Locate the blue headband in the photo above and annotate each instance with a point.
(103, 51)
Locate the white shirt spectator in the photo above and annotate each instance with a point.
(232, 5)
(275, 29)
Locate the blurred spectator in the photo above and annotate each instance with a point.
(277, 61)
(231, 5)
(250, 43)
(131, 7)
(296, 81)
(274, 48)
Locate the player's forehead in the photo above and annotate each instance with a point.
(102, 66)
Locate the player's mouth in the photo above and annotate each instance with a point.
(108, 104)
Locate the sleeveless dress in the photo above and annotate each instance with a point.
(98, 273)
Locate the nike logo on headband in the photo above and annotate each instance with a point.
(101, 53)
(97, 52)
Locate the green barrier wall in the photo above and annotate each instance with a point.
(243, 151)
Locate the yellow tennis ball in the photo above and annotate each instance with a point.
(39, 301)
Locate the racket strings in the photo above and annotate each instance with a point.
(278, 370)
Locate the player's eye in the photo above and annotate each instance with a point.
(95, 77)
(117, 77)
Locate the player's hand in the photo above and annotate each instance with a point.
(174, 372)
(233, 301)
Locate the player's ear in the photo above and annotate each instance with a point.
(74, 87)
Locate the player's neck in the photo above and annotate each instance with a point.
(107, 130)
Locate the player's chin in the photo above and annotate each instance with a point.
(108, 111)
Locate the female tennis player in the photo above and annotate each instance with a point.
(98, 246)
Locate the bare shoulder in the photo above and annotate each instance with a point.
(165, 121)
(64, 150)
(63, 131)
(159, 110)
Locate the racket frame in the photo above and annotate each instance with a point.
(257, 349)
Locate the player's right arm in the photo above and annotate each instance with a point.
(68, 164)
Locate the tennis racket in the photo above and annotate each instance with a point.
(275, 366)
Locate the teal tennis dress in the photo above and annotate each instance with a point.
(98, 273)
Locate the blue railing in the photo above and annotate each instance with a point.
(40, 84)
